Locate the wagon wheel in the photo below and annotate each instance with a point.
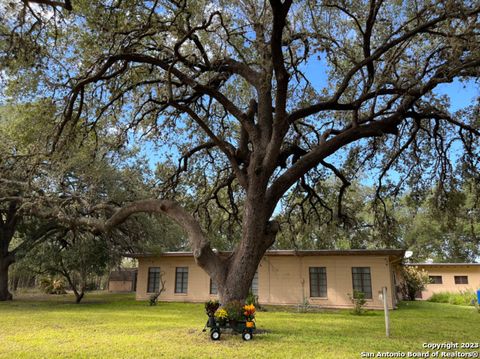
(215, 334)
(247, 335)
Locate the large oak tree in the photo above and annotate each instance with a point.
(42, 195)
(262, 98)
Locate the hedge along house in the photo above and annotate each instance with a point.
(449, 277)
(284, 277)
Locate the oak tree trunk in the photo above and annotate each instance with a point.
(258, 234)
(5, 263)
(6, 259)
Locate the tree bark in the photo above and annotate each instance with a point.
(5, 263)
(79, 293)
(258, 234)
(6, 259)
(78, 296)
(8, 226)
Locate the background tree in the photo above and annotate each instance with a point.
(229, 88)
(20, 165)
(42, 194)
(74, 257)
(414, 281)
(435, 224)
(445, 233)
(309, 223)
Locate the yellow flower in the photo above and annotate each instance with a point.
(221, 314)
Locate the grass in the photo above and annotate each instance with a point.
(116, 326)
(467, 297)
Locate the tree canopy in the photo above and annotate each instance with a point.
(231, 91)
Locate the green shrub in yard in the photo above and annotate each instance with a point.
(440, 297)
(466, 297)
(358, 301)
(415, 280)
(51, 285)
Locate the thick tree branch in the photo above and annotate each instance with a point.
(226, 147)
(345, 184)
(333, 102)
(203, 254)
(313, 158)
(166, 66)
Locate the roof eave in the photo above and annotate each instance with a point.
(395, 253)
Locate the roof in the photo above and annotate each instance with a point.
(127, 274)
(300, 253)
(442, 264)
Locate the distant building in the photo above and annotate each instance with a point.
(449, 277)
(285, 277)
(123, 280)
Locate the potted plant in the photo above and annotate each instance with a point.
(249, 313)
(210, 308)
(222, 316)
(235, 312)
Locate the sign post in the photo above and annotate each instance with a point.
(385, 309)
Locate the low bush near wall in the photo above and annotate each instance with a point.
(467, 297)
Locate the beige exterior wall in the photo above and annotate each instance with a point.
(282, 280)
(120, 286)
(198, 280)
(448, 273)
(285, 280)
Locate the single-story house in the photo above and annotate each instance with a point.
(285, 277)
(449, 277)
(123, 280)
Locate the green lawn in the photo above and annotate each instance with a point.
(116, 326)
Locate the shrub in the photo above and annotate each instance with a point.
(153, 300)
(466, 297)
(441, 297)
(52, 285)
(415, 281)
(358, 300)
(305, 306)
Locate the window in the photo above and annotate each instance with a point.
(362, 281)
(153, 280)
(461, 279)
(318, 282)
(435, 279)
(213, 287)
(181, 280)
(254, 286)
